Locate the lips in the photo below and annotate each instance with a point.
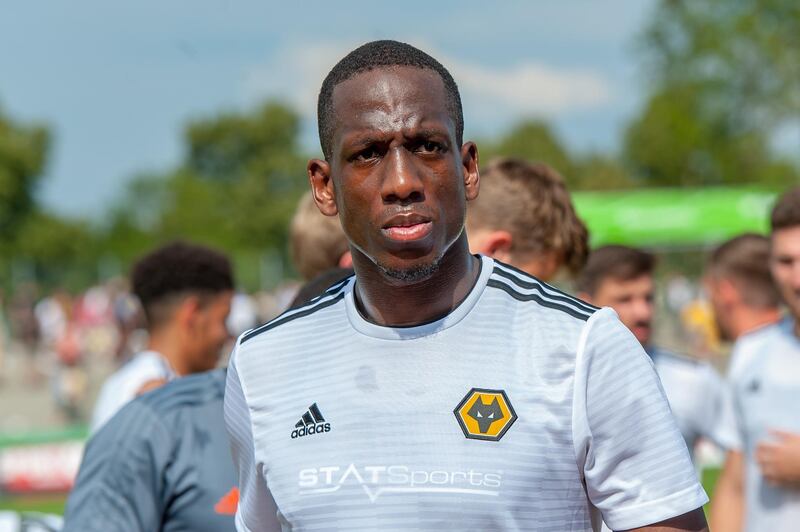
(407, 227)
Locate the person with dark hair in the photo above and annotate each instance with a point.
(621, 277)
(185, 291)
(759, 488)
(524, 216)
(435, 389)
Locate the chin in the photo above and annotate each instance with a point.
(411, 273)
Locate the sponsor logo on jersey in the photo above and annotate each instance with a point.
(377, 480)
(310, 423)
(485, 414)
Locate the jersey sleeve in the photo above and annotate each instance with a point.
(635, 463)
(257, 510)
(120, 485)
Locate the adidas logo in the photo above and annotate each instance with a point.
(312, 422)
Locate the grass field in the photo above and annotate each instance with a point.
(50, 504)
(54, 504)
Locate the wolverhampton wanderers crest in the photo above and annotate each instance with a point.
(485, 414)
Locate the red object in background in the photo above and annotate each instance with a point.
(40, 468)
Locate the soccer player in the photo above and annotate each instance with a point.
(161, 464)
(436, 390)
(524, 216)
(762, 470)
(185, 291)
(744, 297)
(621, 277)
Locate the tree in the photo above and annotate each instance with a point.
(23, 152)
(237, 188)
(724, 77)
(532, 140)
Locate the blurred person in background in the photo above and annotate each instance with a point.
(162, 463)
(24, 326)
(744, 297)
(621, 277)
(524, 217)
(759, 488)
(319, 250)
(185, 291)
(316, 242)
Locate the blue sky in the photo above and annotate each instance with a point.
(116, 81)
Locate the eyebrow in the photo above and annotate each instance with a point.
(376, 137)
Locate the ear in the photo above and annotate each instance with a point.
(727, 291)
(187, 311)
(496, 244)
(472, 178)
(319, 175)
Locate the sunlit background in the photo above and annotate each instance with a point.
(125, 125)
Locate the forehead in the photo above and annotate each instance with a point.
(391, 99)
(617, 285)
(786, 241)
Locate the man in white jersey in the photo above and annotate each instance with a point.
(524, 216)
(621, 277)
(744, 297)
(437, 390)
(185, 291)
(763, 467)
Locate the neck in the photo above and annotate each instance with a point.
(164, 342)
(390, 302)
(748, 319)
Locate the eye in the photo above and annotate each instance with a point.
(430, 147)
(367, 154)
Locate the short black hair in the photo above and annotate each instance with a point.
(377, 54)
(175, 270)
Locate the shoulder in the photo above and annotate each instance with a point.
(312, 310)
(186, 392)
(529, 290)
(145, 366)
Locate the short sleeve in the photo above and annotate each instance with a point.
(119, 484)
(635, 463)
(256, 510)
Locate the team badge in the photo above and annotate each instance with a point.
(485, 414)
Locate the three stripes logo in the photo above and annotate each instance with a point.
(312, 422)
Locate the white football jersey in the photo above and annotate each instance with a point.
(123, 385)
(765, 395)
(522, 409)
(696, 395)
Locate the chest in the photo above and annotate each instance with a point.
(478, 431)
(768, 394)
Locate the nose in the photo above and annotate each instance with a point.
(643, 309)
(402, 182)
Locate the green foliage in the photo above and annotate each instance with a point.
(236, 190)
(23, 151)
(724, 77)
(535, 140)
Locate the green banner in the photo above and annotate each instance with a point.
(673, 217)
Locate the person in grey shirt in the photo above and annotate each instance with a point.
(163, 463)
